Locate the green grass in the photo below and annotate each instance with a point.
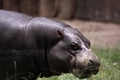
(109, 70)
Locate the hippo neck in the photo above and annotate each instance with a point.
(44, 37)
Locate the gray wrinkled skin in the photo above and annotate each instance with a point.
(38, 46)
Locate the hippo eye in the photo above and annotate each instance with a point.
(75, 47)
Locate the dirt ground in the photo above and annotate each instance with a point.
(100, 34)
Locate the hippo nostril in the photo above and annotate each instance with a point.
(91, 62)
(94, 63)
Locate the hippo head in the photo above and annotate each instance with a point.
(72, 53)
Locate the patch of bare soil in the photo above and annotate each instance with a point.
(100, 34)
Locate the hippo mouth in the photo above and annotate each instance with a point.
(85, 73)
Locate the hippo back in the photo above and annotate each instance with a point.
(12, 29)
(13, 19)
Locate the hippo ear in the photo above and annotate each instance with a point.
(60, 34)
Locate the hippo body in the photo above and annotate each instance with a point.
(32, 47)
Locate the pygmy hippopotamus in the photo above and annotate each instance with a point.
(32, 47)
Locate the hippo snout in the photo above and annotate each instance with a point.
(86, 64)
